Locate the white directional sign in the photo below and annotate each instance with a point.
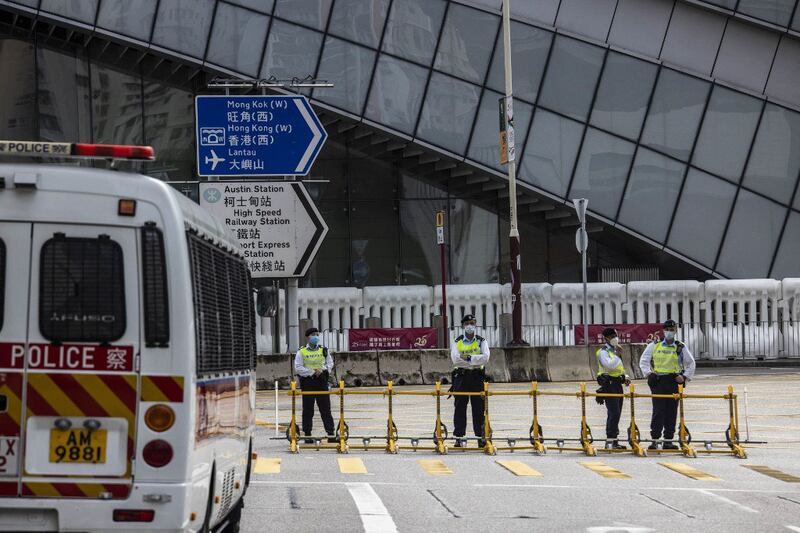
(276, 223)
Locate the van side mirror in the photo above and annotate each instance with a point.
(267, 301)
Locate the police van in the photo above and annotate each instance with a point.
(127, 347)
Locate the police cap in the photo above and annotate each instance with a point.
(467, 318)
(670, 324)
(609, 333)
(310, 331)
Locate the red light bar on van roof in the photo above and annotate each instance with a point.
(91, 151)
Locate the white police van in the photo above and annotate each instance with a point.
(127, 347)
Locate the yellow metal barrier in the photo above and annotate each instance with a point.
(535, 436)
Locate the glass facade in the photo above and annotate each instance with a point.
(649, 144)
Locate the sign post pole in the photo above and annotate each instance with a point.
(440, 242)
(507, 139)
(582, 243)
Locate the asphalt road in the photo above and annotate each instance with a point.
(568, 491)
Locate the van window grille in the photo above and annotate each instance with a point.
(2, 281)
(224, 312)
(154, 287)
(81, 289)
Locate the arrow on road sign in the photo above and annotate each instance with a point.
(260, 135)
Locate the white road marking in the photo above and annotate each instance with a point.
(374, 515)
(728, 501)
(793, 528)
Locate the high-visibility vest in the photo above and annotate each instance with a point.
(666, 359)
(313, 359)
(469, 348)
(619, 371)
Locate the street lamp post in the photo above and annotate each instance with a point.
(514, 247)
(582, 243)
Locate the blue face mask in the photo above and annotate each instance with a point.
(469, 330)
(313, 340)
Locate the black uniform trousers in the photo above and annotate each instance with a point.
(665, 410)
(323, 401)
(468, 381)
(613, 408)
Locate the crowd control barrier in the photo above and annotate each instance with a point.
(534, 441)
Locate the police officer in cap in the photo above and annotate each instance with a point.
(313, 364)
(666, 364)
(611, 376)
(469, 352)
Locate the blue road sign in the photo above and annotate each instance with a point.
(256, 135)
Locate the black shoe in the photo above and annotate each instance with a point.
(308, 440)
(615, 445)
(653, 446)
(459, 443)
(670, 446)
(332, 440)
(481, 443)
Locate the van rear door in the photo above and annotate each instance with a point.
(15, 256)
(80, 367)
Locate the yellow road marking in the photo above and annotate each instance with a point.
(268, 465)
(352, 465)
(434, 467)
(604, 470)
(688, 471)
(518, 468)
(771, 472)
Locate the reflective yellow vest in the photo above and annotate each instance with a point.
(313, 359)
(666, 359)
(469, 348)
(617, 372)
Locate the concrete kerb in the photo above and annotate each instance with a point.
(270, 368)
(401, 367)
(526, 364)
(497, 370)
(570, 363)
(435, 366)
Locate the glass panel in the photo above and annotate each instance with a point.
(63, 97)
(529, 48)
(349, 67)
(18, 115)
(292, 52)
(412, 188)
(675, 113)
(331, 166)
(420, 256)
(622, 98)
(82, 10)
(796, 20)
(652, 194)
(265, 6)
(776, 11)
(602, 170)
(169, 128)
(727, 132)
(370, 179)
(466, 44)
(375, 253)
(730, 4)
(331, 267)
(359, 21)
(396, 93)
(703, 210)
(183, 25)
(551, 151)
(237, 39)
(312, 13)
(128, 18)
(474, 246)
(484, 147)
(569, 87)
(448, 112)
(413, 29)
(752, 235)
(789, 252)
(116, 107)
(775, 161)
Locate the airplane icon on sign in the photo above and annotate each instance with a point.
(214, 160)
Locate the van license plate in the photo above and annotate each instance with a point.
(78, 446)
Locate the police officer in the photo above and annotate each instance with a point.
(469, 352)
(611, 376)
(666, 364)
(313, 365)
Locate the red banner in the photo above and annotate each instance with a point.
(361, 340)
(627, 333)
